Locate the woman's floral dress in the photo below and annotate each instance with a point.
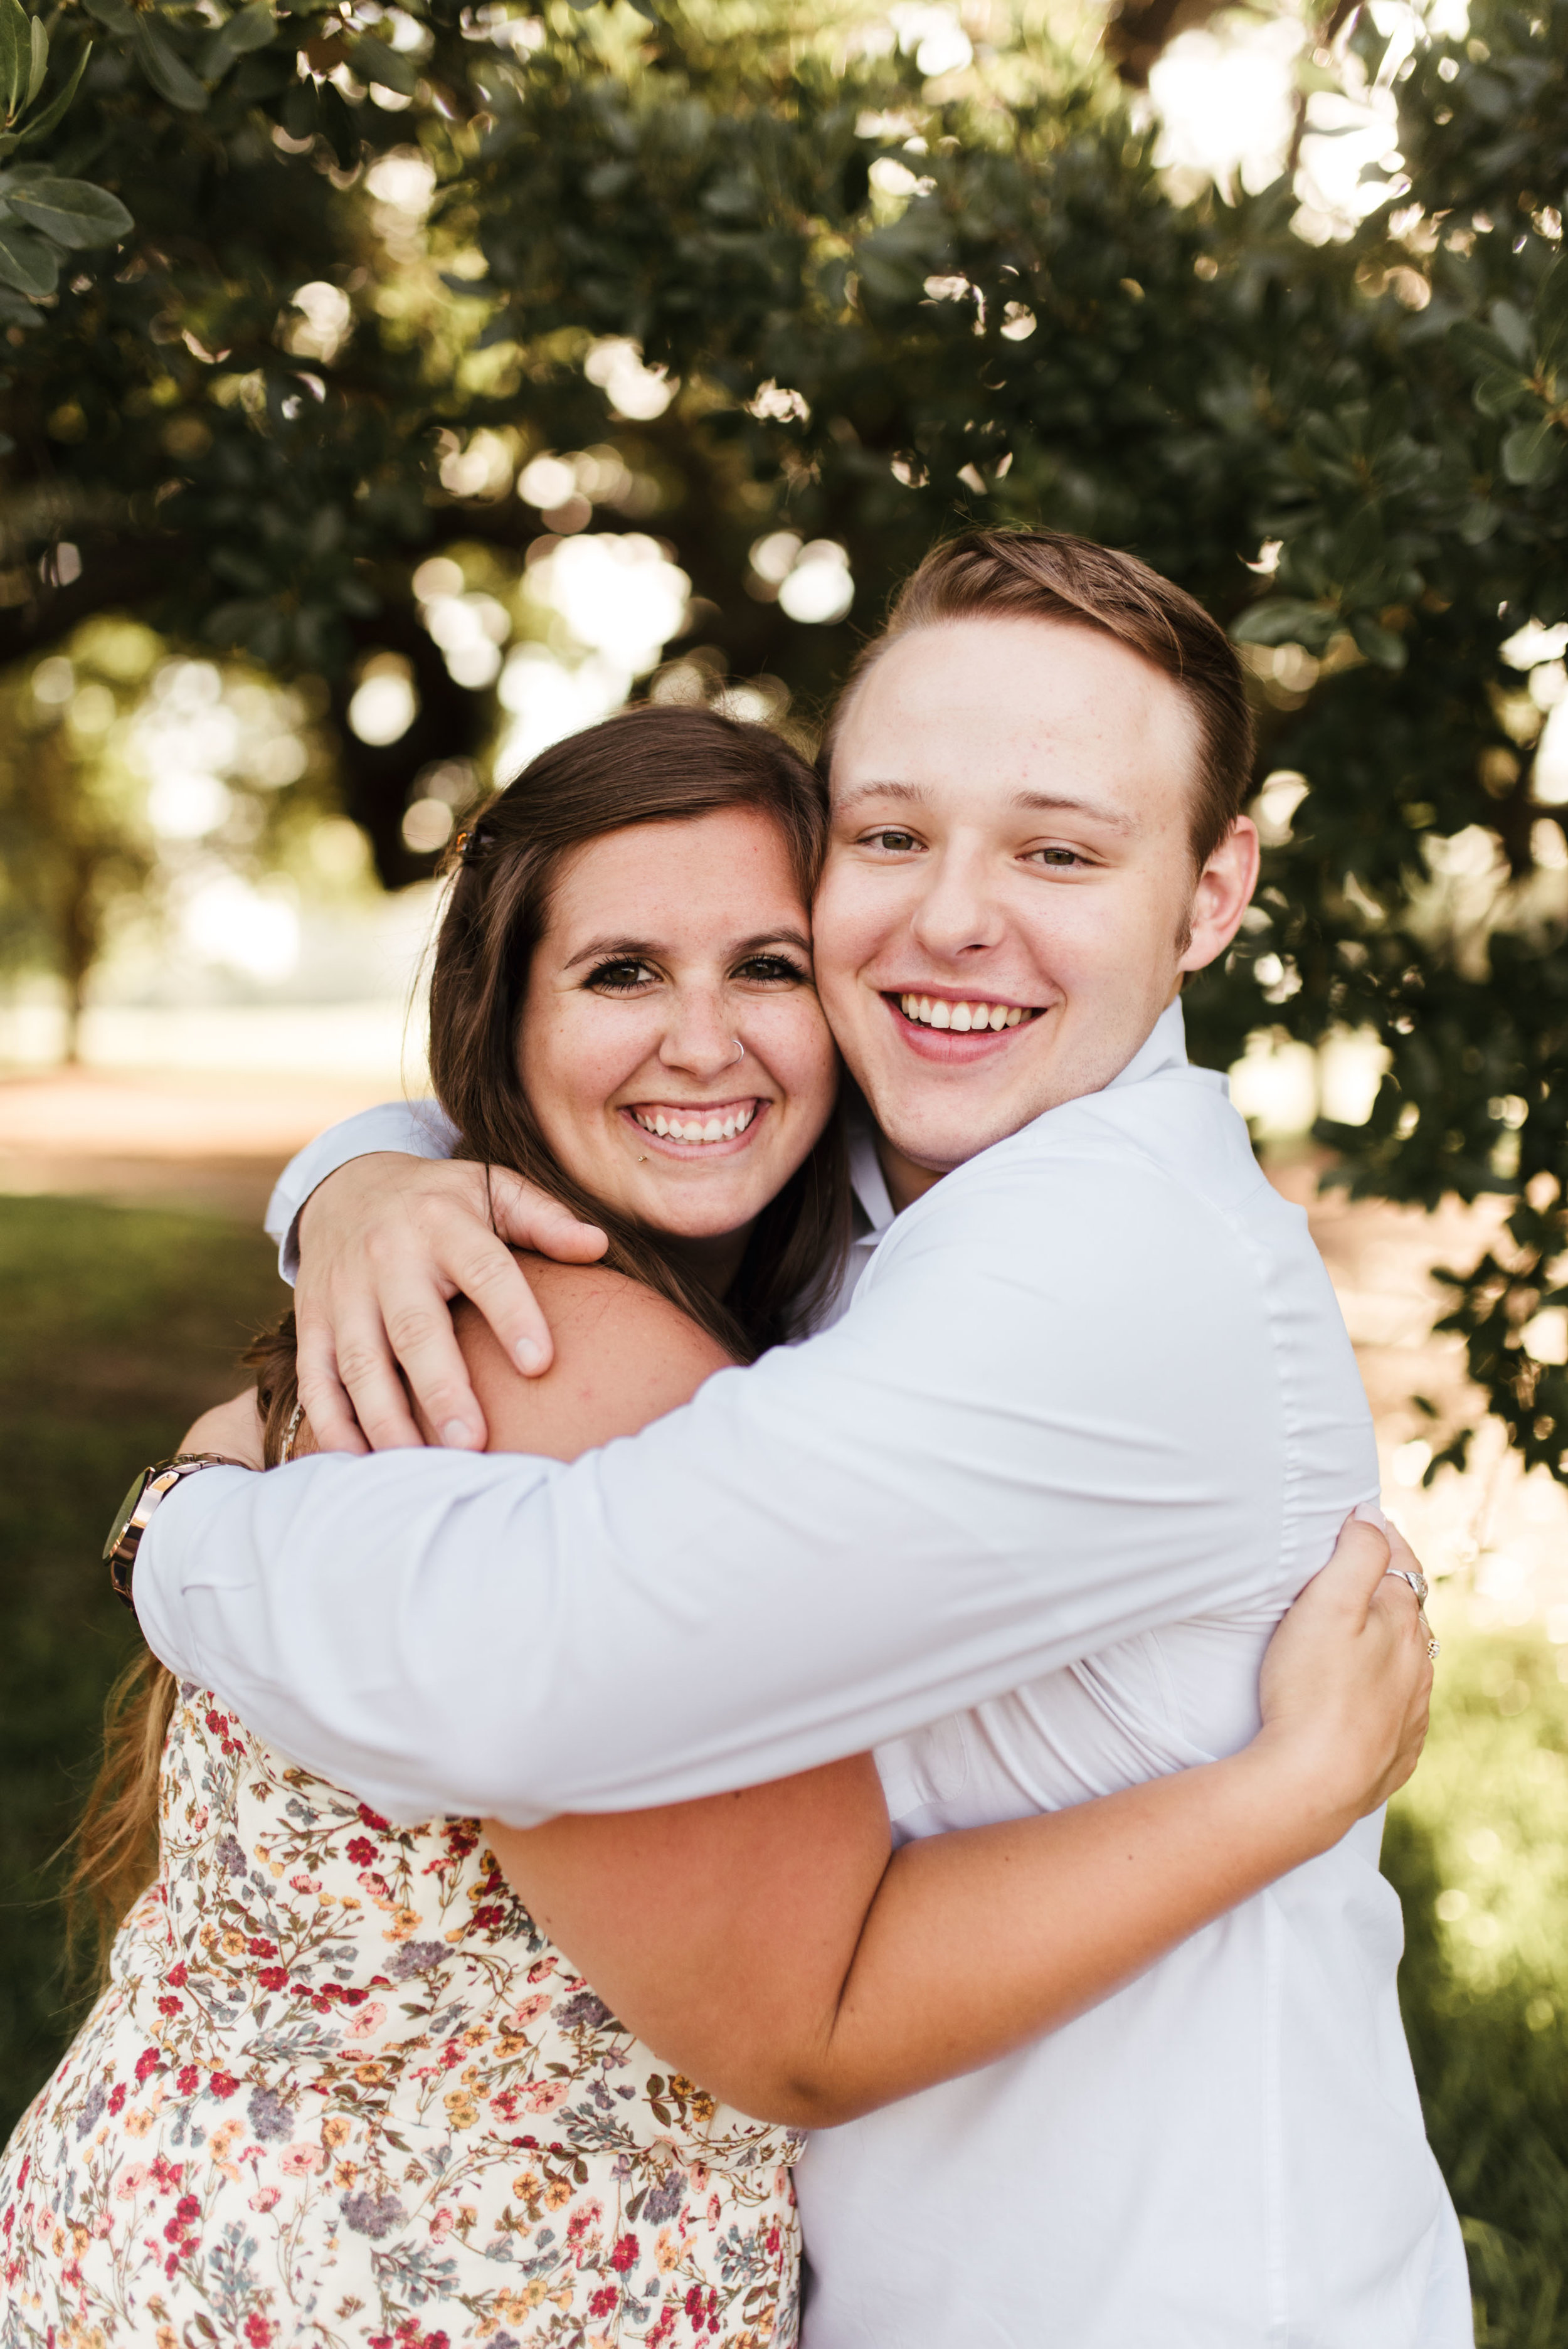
(341, 2091)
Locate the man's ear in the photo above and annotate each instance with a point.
(1222, 894)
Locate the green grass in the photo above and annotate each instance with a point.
(118, 1325)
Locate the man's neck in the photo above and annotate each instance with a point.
(905, 1181)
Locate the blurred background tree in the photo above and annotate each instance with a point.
(472, 370)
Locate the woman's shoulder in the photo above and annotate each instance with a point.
(624, 1355)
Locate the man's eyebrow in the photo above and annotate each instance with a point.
(625, 949)
(1063, 804)
(1042, 803)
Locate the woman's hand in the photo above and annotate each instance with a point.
(1346, 1683)
(386, 1243)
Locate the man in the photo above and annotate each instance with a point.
(1090, 1423)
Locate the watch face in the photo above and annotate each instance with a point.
(126, 1511)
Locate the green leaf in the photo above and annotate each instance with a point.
(27, 261)
(73, 211)
(44, 123)
(375, 61)
(1533, 453)
(114, 16)
(1379, 643)
(1282, 620)
(1552, 312)
(167, 70)
(250, 28)
(16, 54)
(40, 62)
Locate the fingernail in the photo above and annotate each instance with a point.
(458, 1436)
(530, 1357)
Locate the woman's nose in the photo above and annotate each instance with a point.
(700, 1039)
(956, 914)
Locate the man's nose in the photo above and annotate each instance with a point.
(700, 1039)
(957, 914)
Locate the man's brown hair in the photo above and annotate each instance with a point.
(1047, 574)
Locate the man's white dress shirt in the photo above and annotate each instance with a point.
(1090, 1423)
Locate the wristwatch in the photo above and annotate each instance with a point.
(149, 1488)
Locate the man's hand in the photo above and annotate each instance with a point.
(234, 1429)
(386, 1243)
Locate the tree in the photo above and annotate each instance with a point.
(898, 282)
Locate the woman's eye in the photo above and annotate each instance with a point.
(772, 970)
(1058, 858)
(620, 978)
(895, 842)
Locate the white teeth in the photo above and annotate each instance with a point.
(712, 1129)
(931, 1011)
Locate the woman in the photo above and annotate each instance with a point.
(346, 2086)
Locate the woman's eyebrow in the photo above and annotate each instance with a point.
(640, 949)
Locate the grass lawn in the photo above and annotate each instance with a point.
(118, 1325)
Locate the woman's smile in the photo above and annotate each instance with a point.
(689, 1128)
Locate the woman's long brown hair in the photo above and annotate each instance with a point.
(646, 766)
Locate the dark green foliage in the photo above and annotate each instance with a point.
(118, 1327)
(1388, 415)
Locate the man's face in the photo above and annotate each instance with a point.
(1010, 896)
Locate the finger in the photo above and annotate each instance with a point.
(322, 1391)
(488, 1273)
(528, 1217)
(1357, 1569)
(1400, 1554)
(419, 1327)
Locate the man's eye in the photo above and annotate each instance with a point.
(1058, 858)
(771, 970)
(620, 978)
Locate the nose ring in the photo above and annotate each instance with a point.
(739, 1052)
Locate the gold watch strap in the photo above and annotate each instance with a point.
(148, 1491)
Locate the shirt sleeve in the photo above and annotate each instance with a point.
(1019, 1447)
(420, 1129)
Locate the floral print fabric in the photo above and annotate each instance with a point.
(342, 2092)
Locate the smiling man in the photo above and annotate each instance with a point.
(1023, 1517)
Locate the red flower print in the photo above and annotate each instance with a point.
(491, 1914)
(178, 1976)
(361, 1851)
(258, 1948)
(170, 2006)
(272, 1978)
(625, 2255)
(189, 2076)
(664, 2328)
(583, 2221)
(702, 2308)
(147, 2063)
(258, 2331)
(188, 2210)
(117, 2100)
(436, 2340)
(603, 2303)
(217, 1723)
(222, 2084)
(374, 1819)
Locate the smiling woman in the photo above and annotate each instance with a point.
(561, 1038)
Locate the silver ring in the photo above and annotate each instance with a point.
(739, 1052)
(1416, 1579)
(290, 1432)
(1434, 1649)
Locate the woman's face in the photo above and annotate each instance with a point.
(671, 1042)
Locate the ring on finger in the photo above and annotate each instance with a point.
(1414, 1576)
